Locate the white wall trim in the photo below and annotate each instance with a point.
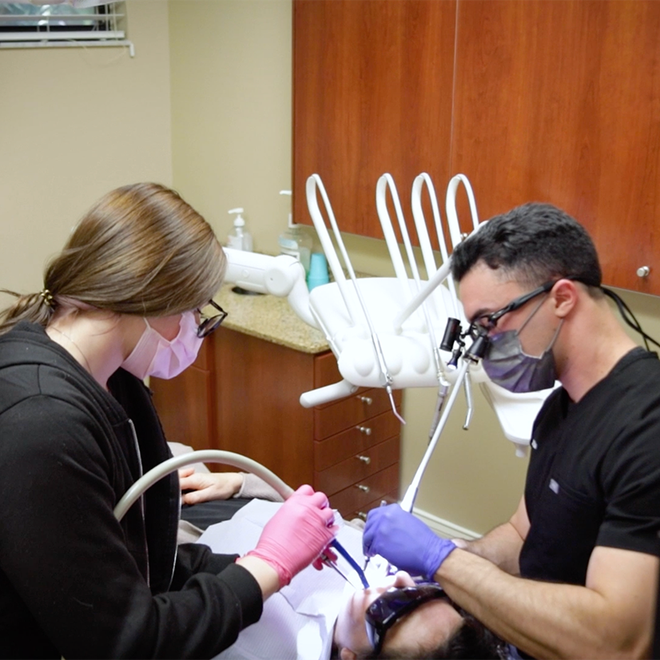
(445, 528)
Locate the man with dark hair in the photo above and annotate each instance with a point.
(573, 573)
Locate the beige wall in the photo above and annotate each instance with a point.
(231, 109)
(75, 123)
(206, 107)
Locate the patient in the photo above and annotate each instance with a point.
(320, 615)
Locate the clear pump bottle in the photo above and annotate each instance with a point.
(295, 242)
(239, 237)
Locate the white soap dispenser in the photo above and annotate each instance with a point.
(239, 237)
(295, 242)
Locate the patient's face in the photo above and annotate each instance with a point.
(425, 627)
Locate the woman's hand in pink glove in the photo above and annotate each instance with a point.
(295, 536)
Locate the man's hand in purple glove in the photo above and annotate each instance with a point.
(404, 541)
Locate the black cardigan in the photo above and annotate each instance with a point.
(73, 581)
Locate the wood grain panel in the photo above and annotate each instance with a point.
(353, 441)
(380, 485)
(372, 94)
(184, 403)
(388, 498)
(351, 411)
(356, 469)
(259, 414)
(560, 102)
(326, 371)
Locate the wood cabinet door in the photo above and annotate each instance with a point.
(372, 94)
(560, 102)
(184, 403)
(533, 101)
(258, 385)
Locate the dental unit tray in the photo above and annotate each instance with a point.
(385, 331)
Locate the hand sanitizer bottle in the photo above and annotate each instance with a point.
(295, 242)
(239, 237)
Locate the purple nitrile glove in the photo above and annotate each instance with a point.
(404, 541)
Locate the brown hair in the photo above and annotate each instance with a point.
(141, 249)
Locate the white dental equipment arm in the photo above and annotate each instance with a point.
(282, 276)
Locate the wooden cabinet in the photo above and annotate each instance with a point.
(242, 396)
(372, 86)
(356, 446)
(533, 101)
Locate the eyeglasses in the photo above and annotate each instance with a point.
(210, 323)
(395, 603)
(489, 321)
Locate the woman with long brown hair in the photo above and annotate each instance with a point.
(77, 428)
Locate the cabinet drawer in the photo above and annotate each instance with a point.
(372, 489)
(354, 440)
(350, 411)
(389, 498)
(357, 468)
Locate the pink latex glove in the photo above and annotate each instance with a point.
(295, 536)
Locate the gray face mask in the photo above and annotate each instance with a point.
(510, 367)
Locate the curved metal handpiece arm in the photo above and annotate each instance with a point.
(203, 456)
(420, 224)
(450, 207)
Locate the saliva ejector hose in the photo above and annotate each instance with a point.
(228, 458)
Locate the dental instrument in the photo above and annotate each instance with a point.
(353, 564)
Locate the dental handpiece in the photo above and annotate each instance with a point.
(368, 559)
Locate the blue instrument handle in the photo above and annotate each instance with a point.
(354, 565)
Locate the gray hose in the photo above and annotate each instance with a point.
(204, 456)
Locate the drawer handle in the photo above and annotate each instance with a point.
(366, 399)
(364, 429)
(363, 488)
(365, 459)
(363, 515)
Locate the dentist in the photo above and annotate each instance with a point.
(573, 573)
(78, 428)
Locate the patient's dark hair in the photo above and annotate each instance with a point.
(532, 244)
(472, 641)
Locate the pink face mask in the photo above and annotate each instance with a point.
(154, 355)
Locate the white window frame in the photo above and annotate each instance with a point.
(44, 37)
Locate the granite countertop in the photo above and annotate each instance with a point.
(270, 318)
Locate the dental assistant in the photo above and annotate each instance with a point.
(574, 572)
(78, 428)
